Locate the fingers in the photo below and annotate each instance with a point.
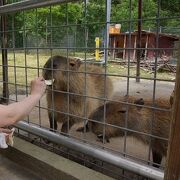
(8, 131)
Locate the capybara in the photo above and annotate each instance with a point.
(147, 121)
(74, 92)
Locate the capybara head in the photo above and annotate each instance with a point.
(57, 68)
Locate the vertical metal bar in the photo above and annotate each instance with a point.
(106, 40)
(25, 53)
(67, 50)
(14, 57)
(37, 53)
(4, 45)
(85, 65)
(155, 69)
(51, 52)
(106, 46)
(139, 40)
(172, 170)
(128, 74)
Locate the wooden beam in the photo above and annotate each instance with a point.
(124, 46)
(172, 171)
(114, 46)
(147, 39)
(134, 53)
(139, 40)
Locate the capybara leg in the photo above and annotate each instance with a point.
(157, 158)
(65, 127)
(53, 123)
(83, 129)
(106, 138)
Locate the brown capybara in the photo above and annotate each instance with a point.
(70, 98)
(151, 123)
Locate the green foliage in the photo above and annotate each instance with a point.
(171, 6)
(63, 24)
(124, 11)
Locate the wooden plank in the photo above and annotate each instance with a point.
(147, 39)
(114, 46)
(172, 171)
(124, 46)
(134, 53)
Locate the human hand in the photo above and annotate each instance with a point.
(8, 135)
(4, 130)
(38, 86)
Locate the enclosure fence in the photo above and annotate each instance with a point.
(132, 68)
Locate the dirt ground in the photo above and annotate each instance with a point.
(133, 147)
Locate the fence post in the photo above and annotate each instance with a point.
(4, 55)
(172, 171)
(139, 40)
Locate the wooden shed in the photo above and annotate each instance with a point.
(123, 45)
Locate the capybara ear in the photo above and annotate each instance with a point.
(74, 64)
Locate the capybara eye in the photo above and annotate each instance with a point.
(72, 64)
(55, 66)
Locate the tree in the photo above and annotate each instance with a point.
(126, 13)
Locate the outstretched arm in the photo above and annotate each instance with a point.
(14, 112)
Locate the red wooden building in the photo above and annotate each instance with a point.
(123, 45)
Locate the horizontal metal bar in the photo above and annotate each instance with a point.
(83, 48)
(29, 4)
(98, 153)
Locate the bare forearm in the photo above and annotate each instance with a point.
(17, 111)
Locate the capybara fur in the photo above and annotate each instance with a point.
(70, 98)
(147, 121)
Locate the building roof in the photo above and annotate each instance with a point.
(175, 37)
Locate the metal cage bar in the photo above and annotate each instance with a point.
(99, 153)
(29, 4)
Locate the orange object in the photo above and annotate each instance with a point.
(115, 29)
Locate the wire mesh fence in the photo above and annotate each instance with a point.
(96, 52)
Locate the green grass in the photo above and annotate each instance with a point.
(23, 68)
(123, 70)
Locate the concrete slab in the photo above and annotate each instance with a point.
(10, 170)
(48, 165)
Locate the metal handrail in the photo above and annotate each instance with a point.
(101, 154)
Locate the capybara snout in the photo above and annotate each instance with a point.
(57, 68)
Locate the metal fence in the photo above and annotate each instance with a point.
(128, 123)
